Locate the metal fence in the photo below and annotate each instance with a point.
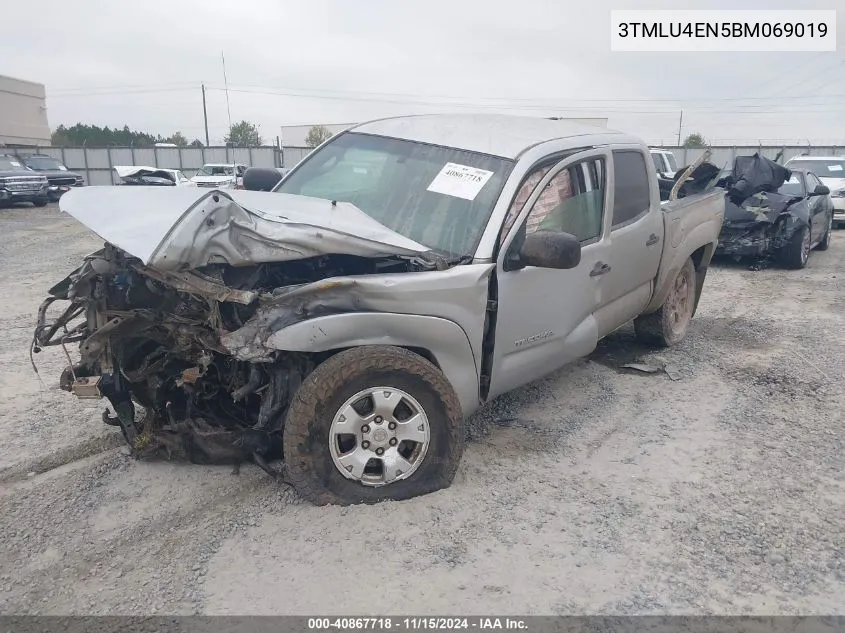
(723, 156)
(292, 155)
(96, 163)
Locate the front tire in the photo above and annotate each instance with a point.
(668, 325)
(825, 243)
(370, 424)
(797, 252)
(40, 202)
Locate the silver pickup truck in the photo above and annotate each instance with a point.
(403, 274)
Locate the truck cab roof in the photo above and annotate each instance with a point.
(506, 136)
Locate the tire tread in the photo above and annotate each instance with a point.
(330, 376)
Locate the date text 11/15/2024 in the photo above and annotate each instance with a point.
(414, 624)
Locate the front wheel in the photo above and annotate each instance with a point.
(668, 325)
(825, 243)
(796, 253)
(373, 423)
(40, 202)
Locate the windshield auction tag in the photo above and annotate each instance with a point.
(460, 181)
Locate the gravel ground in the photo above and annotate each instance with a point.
(597, 490)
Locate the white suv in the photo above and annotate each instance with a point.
(831, 171)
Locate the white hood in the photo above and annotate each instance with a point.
(834, 184)
(179, 228)
(213, 179)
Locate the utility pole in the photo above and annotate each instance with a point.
(205, 116)
(226, 86)
(680, 125)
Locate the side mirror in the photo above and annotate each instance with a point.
(550, 249)
(821, 190)
(261, 178)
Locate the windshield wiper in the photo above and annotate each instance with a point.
(439, 260)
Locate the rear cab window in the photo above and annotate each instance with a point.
(631, 188)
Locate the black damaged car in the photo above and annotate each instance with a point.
(773, 212)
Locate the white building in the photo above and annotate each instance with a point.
(295, 135)
(23, 113)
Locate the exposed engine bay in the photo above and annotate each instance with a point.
(162, 348)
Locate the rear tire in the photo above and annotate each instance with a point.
(314, 449)
(668, 325)
(825, 243)
(797, 252)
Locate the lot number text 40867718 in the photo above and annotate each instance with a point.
(416, 624)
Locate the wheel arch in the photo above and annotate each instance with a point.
(440, 341)
(700, 255)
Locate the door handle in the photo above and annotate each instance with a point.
(652, 240)
(599, 269)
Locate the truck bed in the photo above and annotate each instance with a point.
(689, 224)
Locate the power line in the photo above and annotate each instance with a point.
(783, 72)
(51, 95)
(120, 87)
(357, 95)
(820, 71)
(545, 107)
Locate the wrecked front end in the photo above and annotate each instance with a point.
(178, 355)
(175, 335)
(760, 226)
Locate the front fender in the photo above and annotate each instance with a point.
(445, 340)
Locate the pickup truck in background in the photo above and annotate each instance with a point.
(18, 183)
(60, 179)
(403, 274)
(220, 176)
(664, 162)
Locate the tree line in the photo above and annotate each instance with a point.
(243, 134)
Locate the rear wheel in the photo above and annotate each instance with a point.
(370, 424)
(796, 253)
(825, 243)
(668, 326)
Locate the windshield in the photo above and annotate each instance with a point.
(216, 170)
(10, 164)
(44, 163)
(822, 168)
(672, 164)
(658, 162)
(437, 196)
(793, 186)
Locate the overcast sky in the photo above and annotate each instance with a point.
(112, 63)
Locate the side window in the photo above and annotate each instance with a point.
(631, 193)
(571, 202)
(521, 197)
(657, 159)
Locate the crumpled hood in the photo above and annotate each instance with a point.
(761, 207)
(183, 228)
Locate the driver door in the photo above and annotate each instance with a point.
(545, 317)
